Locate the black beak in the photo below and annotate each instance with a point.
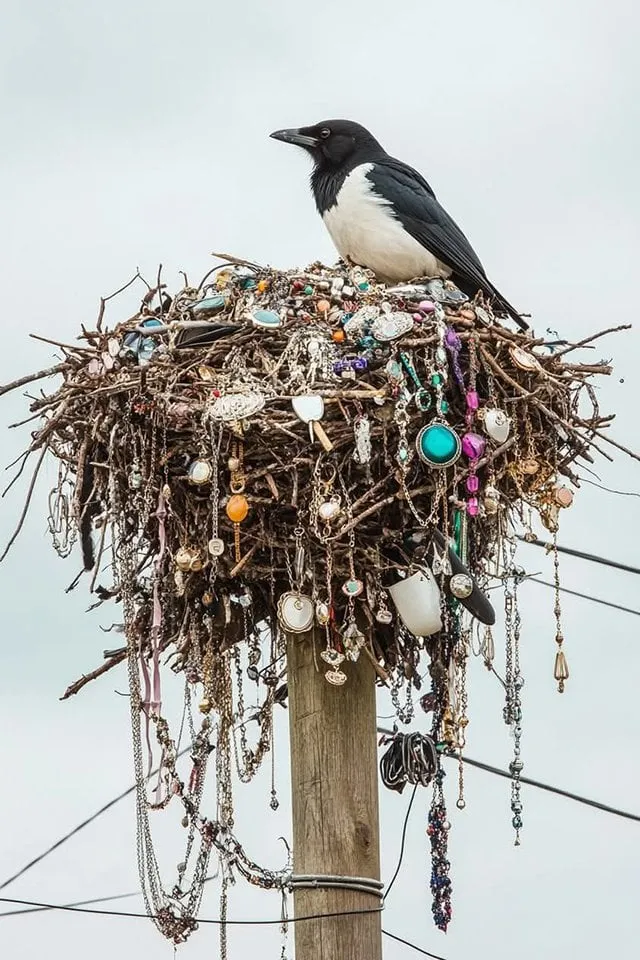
(294, 136)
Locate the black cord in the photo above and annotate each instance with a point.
(620, 493)
(77, 903)
(72, 833)
(215, 922)
(584, 596)
(549, 789)
(232, 923)
(580, 554)
(404, 837)
(413, 946)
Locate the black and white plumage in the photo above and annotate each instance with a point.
(383, 215)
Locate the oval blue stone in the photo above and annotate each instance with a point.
(209, 305)
(266, 318)
(438, 445)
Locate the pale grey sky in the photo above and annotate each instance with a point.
(134, 133)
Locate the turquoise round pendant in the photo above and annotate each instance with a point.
(438, 445)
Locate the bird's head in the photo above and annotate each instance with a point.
(333, 143)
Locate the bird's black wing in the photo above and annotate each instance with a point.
(417, 208)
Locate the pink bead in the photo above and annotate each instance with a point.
(427, 306)
(473, 401)
(417, 317)
(473, 484)
(473, 445)
(473, 506)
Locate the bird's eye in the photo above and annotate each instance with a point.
(325, 133)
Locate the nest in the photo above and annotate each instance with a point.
(184, 447)
(272, 453)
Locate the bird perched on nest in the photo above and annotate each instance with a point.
(383, 215)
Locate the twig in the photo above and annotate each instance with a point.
(595, 336)
(58, 343)
(26, 505)
(104, 300)
(32, 377)
(98, 672)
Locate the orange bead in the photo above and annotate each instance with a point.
(237, 508)
(338, 336)
(263, 285)
(323, 306)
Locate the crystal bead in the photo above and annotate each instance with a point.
(473, 484)
(473, 401)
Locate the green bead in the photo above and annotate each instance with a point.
(363, 286)
(438, 445)
(308, 290)
(436, 379)
(444, 406)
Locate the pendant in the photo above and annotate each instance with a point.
(216, 547)
(295, 612)
(497, 424)
(199, 472)
(390, 326)
(438, 445)
(323, 613)
(336, 677)
(332, 656)
(352, 588)
(461, 586)
(330, 509)
(208, 306)
(384, 616)
(355, 326)
(267, 319)
(524, 360)
(441, 563)
(236, 406)
(353, 640)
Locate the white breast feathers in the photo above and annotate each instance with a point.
(365, 230)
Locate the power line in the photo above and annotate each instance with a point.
(620, 493)
(216, 922)
(594, 558)
(539, 784)
(413, 946)
(476, 763)
(584, 596)
(72, 833)
(402, 843)
(550, 789)
(77, 903)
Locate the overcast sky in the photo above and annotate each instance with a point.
(134, 133)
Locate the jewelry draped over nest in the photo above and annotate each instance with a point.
(274, 453)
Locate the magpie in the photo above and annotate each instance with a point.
(383, 215)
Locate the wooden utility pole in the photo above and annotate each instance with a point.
(334, 783)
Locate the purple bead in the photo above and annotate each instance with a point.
(359, 363)
(473, 445)
(473, 401)
(452, 339)
(427, 306)
(339, 366)
(473, 506)
(473, 484)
